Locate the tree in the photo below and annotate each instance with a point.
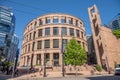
(75, 54)
(117, 33)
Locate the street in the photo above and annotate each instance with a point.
(81, 77)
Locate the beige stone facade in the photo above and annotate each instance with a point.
(107, 46)
(43, 39)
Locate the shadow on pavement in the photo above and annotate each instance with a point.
(104, 78)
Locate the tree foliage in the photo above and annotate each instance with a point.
(117, 33)
(75, 54)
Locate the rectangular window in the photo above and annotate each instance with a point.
(33, 45)
(82, 34)
(56, 59)
(77, 33)
(39, 44)
(28, 47)
(35, 25)
(83, 44)
(40, 32)
(34, 35)
(47, 31)
(71, 32)
(70, 20)
(30, 36)
(64, 43)
(48, 21)
(41, 22)
(76, 23)
(64, 31)
(47, 58)
(55, 20)
(55, 43)
(63, 20)
(47, 44)
(38, 61)
(55, 31)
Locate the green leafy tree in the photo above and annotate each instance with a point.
(75, 54)
(117, 33)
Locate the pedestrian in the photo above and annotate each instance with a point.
(40, 70)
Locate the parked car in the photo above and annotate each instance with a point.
(117, 69)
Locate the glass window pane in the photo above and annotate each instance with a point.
(77, 33)
(47, 31)
(39, 44)
(71, 32)
(40, 32)
(38, 61)
(55, 20)
(47, 44)
(76, 23)
(70, 20)
(64, 31)
(64, 43)
(48, 21)
(33, 46)
(55, 43)
(41, 22)
(34, 35)
(56, 59)
(55, 31)
(63, 20)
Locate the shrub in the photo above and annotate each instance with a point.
(98, 68)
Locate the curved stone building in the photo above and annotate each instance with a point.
(44, 36)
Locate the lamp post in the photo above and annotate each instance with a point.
(62, 52)
(44, 75)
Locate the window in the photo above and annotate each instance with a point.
(76, 23)
(47, 58)
(71, 32)
(33, 46)
(47, 31)
(34, 34)
(35, 25)
(39, 44)
(28, 60)
(82, 34)
(47, 44)
(56, 59)
(79, 42)
(83, 44)
(64, 31)
(38, 61)
(28, 47)
(30, 36)
(55, 20)
(41, 22)
(63, 20)
(55, 31)
(40, 32)
(55, 43)
(64, 43)
(70, 20)
(77, 33)
(48, 21)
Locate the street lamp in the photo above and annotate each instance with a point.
(62, 52)
(44, 75)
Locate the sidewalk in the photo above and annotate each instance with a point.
(4, 76)
(36, 76)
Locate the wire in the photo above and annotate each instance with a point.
(28, 6)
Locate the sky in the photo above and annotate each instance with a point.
(26, 10)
